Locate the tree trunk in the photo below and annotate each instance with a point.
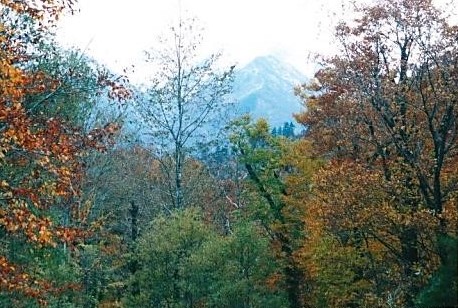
(178, 178)
(134, 220)
(409, 253)
(133, 264)
(293, 275)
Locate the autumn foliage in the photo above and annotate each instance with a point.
(40, 156)
(384, 114)
(359, 211)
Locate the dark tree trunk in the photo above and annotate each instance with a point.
(133, 265)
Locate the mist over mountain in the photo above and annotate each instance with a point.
(265, 88)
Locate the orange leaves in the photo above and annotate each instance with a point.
(44, 10)
(346, 195)
(274, 280)
(70, 235)
(39, 157)
(361, 212)
(383, 113)
(19, 218)
(450, 216)
(99, 138)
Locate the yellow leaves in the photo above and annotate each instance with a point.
(349, 197)
(450, 216)
(45, 236)
(44, 161)
(65, 172)
(362, 213)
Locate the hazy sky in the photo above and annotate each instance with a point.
(116, 32)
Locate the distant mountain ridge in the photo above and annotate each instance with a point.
(265, 88)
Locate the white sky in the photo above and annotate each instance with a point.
(116, 32)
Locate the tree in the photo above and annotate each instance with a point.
(244, 269)
(288, 130)
(353, 209)
(387, 102)
(41, 217)
(35, 173)
(184, 101)
(274, 166)
(185, 263)
(167, 277)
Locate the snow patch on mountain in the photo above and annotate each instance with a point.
(265, 88)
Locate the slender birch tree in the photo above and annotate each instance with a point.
(183, 102)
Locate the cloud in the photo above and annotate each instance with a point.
(118, 31)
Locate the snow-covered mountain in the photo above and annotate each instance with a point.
(265, 88)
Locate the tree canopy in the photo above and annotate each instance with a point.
(359, 209)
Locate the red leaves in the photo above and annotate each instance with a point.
(117, 88)
(14, 279)
(99, 138)
(384, 116)
(39, 157)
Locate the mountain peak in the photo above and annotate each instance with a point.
(265, 88)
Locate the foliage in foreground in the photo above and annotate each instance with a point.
(184, 263)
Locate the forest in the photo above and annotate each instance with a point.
(181, 205)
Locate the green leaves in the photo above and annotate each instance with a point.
(278, 183)
(442, 288)
(183, 262)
